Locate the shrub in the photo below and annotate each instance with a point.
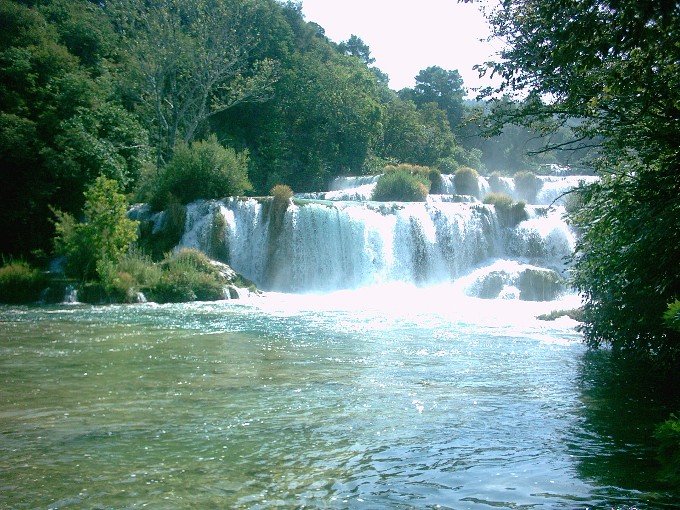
(134, 273)
(497, 184)
(668, 436)
(103, 238)
(401, 185)
(573, 313)
(188, 275)
(448, 165)
(170, 233)
(466, 181)
(218, 237)
(527, 186)
(282, 194)
(431, 174)
(20, 283)
(203, 169)
(498, 199)
(508, 212)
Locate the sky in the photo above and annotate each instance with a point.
(407, 36)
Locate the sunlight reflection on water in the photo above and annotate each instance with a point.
(396, 397)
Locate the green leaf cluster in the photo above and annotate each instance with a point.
(104, 236)
(201, 169)
(613, 65)
(401, 185)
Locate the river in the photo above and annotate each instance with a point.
(371, 374)
(392, 397)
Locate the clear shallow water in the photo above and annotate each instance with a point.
(390, 399)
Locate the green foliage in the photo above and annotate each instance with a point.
(190, 60)
(121, 281)
(401, 185)
(625, 262)
(432, 174)
(281, 194)
(574, 313)
(60, 125)
(527, 186)
(509, 212)
(103, 238)
(671, 316)
(466, 181)
(188, 275)
(609, 67)
(218, 237)
(20, 283)
(441, 87)
(668, 436)
(499, 200)
(417, 136)
(201, 170)
(168, 235)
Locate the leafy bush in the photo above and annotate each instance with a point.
(448, 165)
(466, 181)
(527, 185)
(500, 200)
(135, 272)
(401, 185)
(20, 283)
(218, 237)
(509, 213)
(203, 169)
(668, 437)
(188, 275)
(432, 174)
(163, 240)
(103, 238)
(573, 313)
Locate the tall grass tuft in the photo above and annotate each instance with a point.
(401, 185)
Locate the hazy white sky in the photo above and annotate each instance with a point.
(406, 36)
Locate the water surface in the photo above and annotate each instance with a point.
(349, 401)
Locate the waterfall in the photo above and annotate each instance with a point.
(327, 246)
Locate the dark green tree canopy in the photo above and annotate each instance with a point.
(444, 88)
(615, 65)
(357, 48)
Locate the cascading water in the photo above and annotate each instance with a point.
(323, 245)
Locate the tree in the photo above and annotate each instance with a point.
(355, 47)
(420, 137)
(201, 170)
(444, 88)
(615, 64)
(191, 60)
(60, 123)
(105, 235)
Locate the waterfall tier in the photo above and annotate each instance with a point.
(321, 246)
